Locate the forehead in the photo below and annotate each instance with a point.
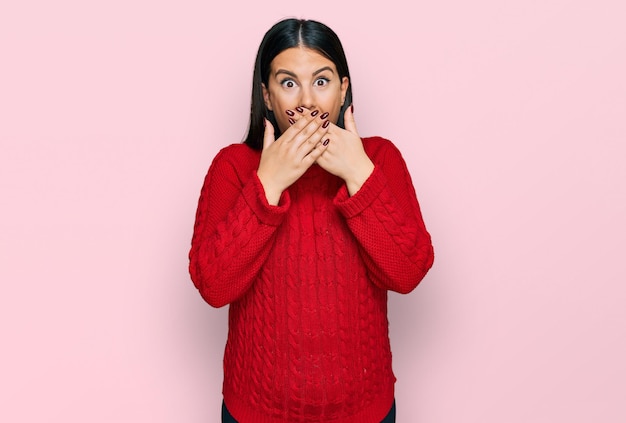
(300, 60)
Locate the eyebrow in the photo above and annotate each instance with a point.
(320, 70)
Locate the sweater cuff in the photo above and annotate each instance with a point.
(371, 189)
(254, 194)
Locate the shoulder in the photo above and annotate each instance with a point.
(379, 148)
(237, 152)
(234, 163)
(238, 156)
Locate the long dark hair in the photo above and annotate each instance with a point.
(286, 34)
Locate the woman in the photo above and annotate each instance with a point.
(302, 230)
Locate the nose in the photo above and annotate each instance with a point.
(307, 99)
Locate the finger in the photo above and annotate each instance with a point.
(348, 120)
(299, 128)
(268, 134)
(312, 134)
(316, 153)
(294, 115)
(305, 128)
(316, 138)
(303, 110)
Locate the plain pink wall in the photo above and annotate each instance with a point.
(511, 116)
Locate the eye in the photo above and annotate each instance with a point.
(288, 83)
(321, 82)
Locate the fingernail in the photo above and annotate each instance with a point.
(352, 108)
(290, 113)
(325, 124)
(264, 123)
(314, 113)
(299, 109)
(291, 121)
(325, 143)
(324, 115)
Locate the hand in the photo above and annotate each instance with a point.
(284, 160)
(344, 156)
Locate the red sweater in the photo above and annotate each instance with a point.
(307, 285)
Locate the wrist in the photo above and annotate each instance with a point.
(272, 193)
(357, 178)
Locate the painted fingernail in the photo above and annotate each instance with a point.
(325, 143)
(291, 121)
(314, 113)
(352, 108)
(299, 109)
(264, 123)
(325, 124)
(290, 112)
(324, 115)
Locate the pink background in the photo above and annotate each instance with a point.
(511, 116)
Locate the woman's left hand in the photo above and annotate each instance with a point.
(344, 156)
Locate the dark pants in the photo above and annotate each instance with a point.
(390, 418)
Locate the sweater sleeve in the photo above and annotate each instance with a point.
(385, 217)
(233, 231)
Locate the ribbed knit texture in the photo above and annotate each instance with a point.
(307, 285)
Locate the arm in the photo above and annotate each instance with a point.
(385, 218)
(233, 231)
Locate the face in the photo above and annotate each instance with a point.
(302, 77)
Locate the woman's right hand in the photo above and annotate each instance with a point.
(284, 160)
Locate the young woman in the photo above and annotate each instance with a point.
(302, 230)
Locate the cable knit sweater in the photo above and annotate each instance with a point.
(307, 284)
